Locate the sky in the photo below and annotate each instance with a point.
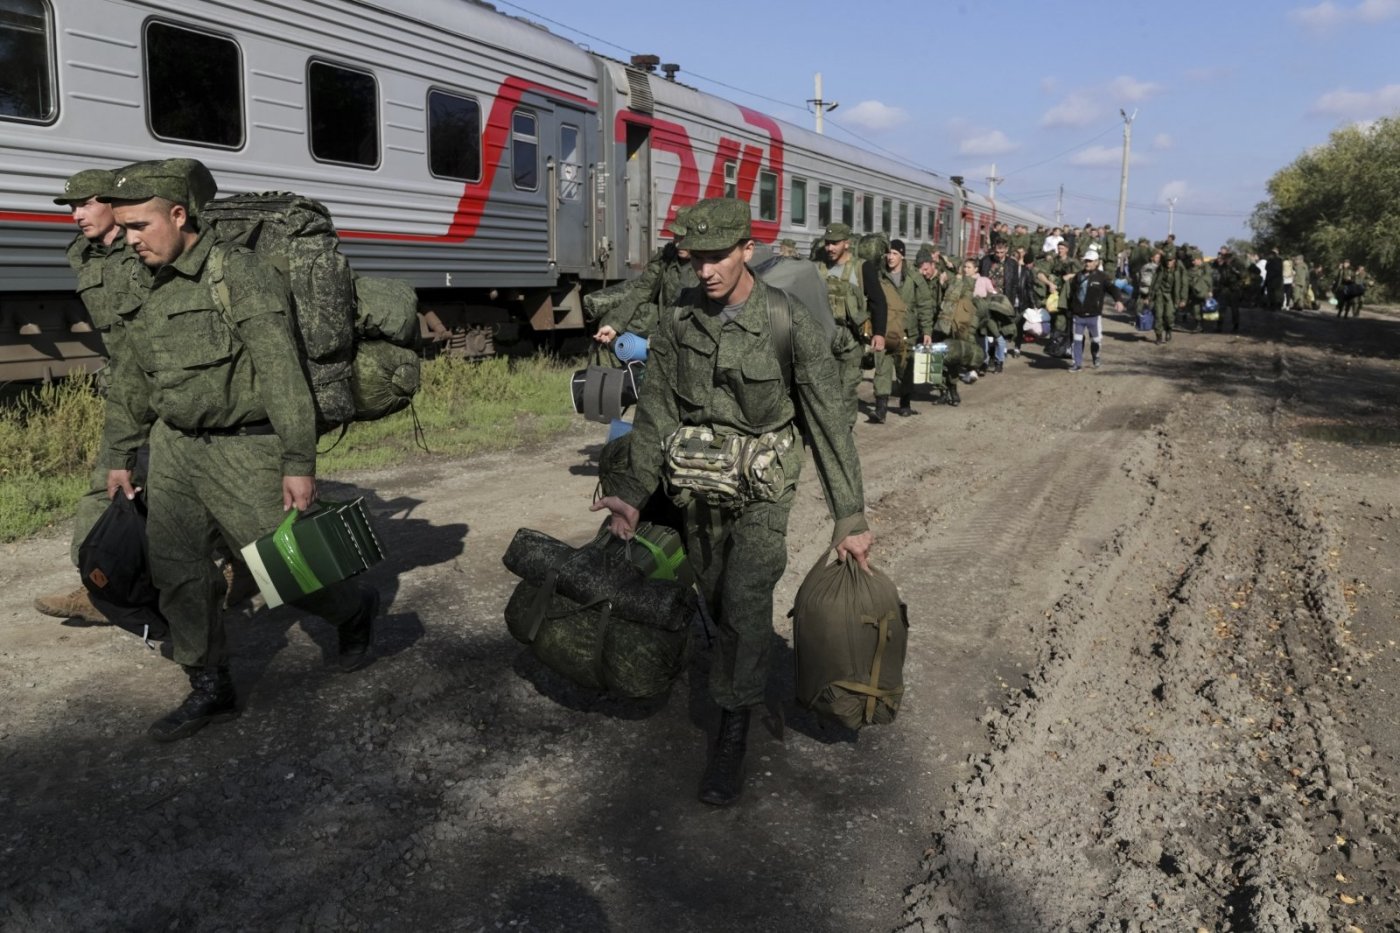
(1222, 94)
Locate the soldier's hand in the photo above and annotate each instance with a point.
(857, 546)
(877, 343)
(121, 479)
(624, 516)
(298, 492)
(928, 340)
(605, 334)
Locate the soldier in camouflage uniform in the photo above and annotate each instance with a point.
(104, 266)
(854, 292)
(961, 324)
(1063, 269)
(631, 306)
(714, 370)
(1199, 287)
(1167, 295)
(231, 423)
(909, 317)
(1229, 287)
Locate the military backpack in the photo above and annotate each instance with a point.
(356, 337)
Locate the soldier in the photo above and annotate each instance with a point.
(1064, 269)
(1199, 287)
(714, 369)
(1167, 295)
(104, 265)
(1229, 284)
(853, 289)
(231, 425)
(634, 310)
(962, 325)
(909, 316)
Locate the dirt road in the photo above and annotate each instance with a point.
(1152, 686)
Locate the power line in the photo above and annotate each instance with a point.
(1076, 148)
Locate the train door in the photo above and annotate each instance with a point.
(568, 171)
(638, 196)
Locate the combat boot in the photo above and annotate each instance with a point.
(906, 407)
(357, 632)
(724, 776)
(953, 397)
(882, 407)
(72, 604)
(211, 699)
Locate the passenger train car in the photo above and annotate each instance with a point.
(501, 169)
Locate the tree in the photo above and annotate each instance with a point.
(1340, 200)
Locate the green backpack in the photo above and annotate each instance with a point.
(357, 337)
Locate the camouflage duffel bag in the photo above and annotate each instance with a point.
(593, 616)
(849, 635)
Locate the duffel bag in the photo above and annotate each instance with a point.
(849, 635)
(592, 616)
(1146, 319)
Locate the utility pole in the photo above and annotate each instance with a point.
(1171, 215)
(1060, 208)
(822, 106)
(992, 181)
(1123, 182)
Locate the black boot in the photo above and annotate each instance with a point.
(357, 632)
(724, 775)
(882, 407)
(906, 407)
(211, 699)
(952, 393)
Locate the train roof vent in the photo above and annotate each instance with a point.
(639, 91)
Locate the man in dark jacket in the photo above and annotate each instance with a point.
(1086, 296)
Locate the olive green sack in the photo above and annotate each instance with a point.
(849, 635)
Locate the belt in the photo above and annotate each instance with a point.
(252, 429)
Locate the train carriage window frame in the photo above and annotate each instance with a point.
(918, 221)
(797, 201)
(446, 157)
(42, 57)
(824, 206)
(903, 219)
(525, 138)
(767, 196)
(848, 207)
(731, 179)
(867, 213)
(335, 149)
(886, 217)
(193, 85)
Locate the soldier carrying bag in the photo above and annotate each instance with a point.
(849, 635)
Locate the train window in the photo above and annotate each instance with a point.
(731, 179)
(848, 207)
(570, 163)
(823, 206)
(903, 219)
(868, 213)
(918, 221)
(767, 196)
(344, 115)
(798, 202)
(194, 89)
(454, 136)
(524, 151)
(26, 61)
(885, 218)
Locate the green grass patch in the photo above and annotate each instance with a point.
(49, 436)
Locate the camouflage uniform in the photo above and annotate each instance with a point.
(704, 370)
(229, 413)
(1228, 286)
(1199, 287)
(909, 307)
(846, 294)
(1168, 292)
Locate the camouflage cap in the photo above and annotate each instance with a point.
(182, 181)
(924, 255)
(837, 232)
(788, 242)
(714, 223)
(86, 184)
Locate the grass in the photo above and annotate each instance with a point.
(49, 437)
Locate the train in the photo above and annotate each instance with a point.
(501, 169)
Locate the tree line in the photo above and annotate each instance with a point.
(1340, 200)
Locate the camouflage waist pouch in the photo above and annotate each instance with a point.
(726, 470)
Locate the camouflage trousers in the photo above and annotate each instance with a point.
(1164, 319)
(848, 356)
(894, 367)
(739, 555)
(197, 488)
